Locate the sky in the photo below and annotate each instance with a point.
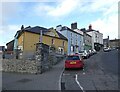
(101, 14)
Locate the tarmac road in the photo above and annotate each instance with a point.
(100, 73)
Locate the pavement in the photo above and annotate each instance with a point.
(49, 80)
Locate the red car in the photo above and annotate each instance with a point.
(74, 61)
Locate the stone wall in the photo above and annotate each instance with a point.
(44, 60)
(22, 66)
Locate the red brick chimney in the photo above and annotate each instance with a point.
(90, 27)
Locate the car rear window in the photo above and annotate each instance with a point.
(81, 51)
(73, 58)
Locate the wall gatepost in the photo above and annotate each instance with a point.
(42, 54)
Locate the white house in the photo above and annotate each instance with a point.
(74, 36)
(97, 38)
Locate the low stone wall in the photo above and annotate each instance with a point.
(29, 66)
(44, 60)
(23, 66)
(55, 58)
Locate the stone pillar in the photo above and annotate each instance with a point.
(39, 58)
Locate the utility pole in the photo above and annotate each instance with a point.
(40, 40)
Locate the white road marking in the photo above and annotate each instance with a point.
(76, 79)
(83, 71)
(60, 79)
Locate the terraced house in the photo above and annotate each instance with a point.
(29, 36)
(74, 36)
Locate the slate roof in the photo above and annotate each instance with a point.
(67, 28)
(88, 30)
(10, 42)
(61, 36)
(37, 29)
(114, 40)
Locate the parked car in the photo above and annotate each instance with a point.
(106, 49)
(94, 51)
(84, 53)
(90, 52)
(74, 61)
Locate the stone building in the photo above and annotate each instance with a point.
(97, 38)
(87, 40)
(114, 43)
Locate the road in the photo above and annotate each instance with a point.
(48, 80)
(100, 73)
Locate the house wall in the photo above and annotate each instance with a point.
(10, 46)
(92, 38)
(114, 43)
(15, 41)
(87, 41)
(28, 41)
(21, 42)
(57, 42)
(100, 38)
(96, 37)
(72, 38)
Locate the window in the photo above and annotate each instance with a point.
(63, 43)
(52, 41)
(22, 38)
(76, 36)
(71, 40)
(96, 35)
(71, 35)
(73, 58)
(76, 42)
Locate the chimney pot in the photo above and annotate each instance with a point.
(90, 27)
(22, 27)
(74, 25)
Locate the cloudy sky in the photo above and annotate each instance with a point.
(102, 14)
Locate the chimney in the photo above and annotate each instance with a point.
(74, 25)
(108, 37)
(90, 27)
(59, 28)
(22, 27)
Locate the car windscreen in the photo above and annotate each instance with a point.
(73, 58)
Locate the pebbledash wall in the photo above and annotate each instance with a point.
(44, 60)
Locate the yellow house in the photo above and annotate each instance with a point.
(28, 37)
